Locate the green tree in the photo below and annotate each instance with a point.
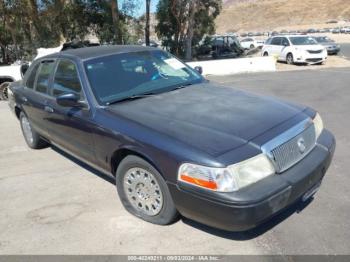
(26, 25)
(183, 23)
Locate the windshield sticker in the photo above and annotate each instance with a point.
(174, 63)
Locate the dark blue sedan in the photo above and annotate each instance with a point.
(175, 143)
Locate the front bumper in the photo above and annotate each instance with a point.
(310, 60)
(333, 51)
(250, 206)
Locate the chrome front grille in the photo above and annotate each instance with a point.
(291, 152)
(291, 146)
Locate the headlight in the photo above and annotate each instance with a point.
(318, 125)
(227, 179)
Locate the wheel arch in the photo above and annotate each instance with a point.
(289, 53)
(4, 79)
(121, 153)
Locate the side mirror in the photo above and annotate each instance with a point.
(285, 44)
(24, 69)
(69, 100)
(199, 69)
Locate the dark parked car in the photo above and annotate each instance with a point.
(175, 143)
(332, 47)
(219, 47)
(311, 31)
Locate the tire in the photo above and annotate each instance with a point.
(3, 90)
(266, 54)
(252, 46)
(137, 184)
(290, 59)
(31, 137)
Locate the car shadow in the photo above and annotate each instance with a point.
(238, 236)
(255, 232)
(87, 167)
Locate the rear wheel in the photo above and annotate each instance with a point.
(31, 137)
(252, 46)
(290, 59)
(143, 191)
(266, 54)
(4, 91)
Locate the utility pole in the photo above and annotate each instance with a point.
(148, 3)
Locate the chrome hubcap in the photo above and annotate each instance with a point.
(27, 130)
(143, 191)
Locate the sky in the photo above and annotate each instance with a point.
(142, 9)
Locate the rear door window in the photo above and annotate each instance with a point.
(66, 79)
(42, 82)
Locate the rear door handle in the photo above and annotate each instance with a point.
(48, 109)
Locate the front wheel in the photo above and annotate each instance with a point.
(290, 59)
(31, 137)
(143, 191)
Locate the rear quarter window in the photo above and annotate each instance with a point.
(268, 41)
(276, 41)
(31, 78)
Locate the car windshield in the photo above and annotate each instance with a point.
(304, 40)
(121, 76)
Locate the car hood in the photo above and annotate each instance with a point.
(208, 117)
(328, 44)
(310, 47)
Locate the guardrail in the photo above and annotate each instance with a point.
(236, 66)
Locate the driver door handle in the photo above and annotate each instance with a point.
(48, 109)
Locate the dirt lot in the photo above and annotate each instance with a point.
(332, 62)
(341, 60)
(51, 204)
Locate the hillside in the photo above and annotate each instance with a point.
(253, 15)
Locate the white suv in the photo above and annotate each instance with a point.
(295, 49)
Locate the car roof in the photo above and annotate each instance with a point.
(292, 36)
(87, 53)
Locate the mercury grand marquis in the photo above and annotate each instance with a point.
(175, 143)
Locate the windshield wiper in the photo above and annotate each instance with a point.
(129, 98)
